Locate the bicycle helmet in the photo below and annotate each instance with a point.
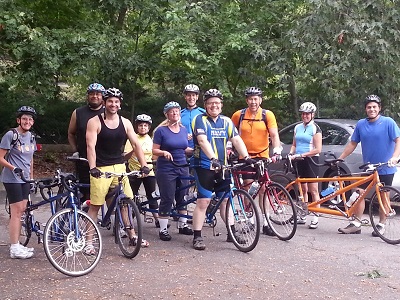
(113, 92)
(26, 110)
(191, 88)
(171, 105)
(372, 98)
(143, 118)
(212, 93)
(308, 107)
(95, 87)
(253, 91)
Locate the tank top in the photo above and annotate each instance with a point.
(110, 144)
(83, 114)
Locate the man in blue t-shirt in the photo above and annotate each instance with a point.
(191, 93)
(211, 132)
(373, 131)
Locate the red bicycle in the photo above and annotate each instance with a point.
(276, 204)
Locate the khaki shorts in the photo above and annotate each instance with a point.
(99, 186)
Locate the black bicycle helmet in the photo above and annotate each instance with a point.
(113, 92)
(212, 93)
(253, 91)
(372, 98)
(191, 88)
(26, 110)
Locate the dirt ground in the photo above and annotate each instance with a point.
(46, 163)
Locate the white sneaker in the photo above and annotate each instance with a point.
(122, 233)
(29, 249)
(20, 252)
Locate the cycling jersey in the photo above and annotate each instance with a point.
(218, 133)
(304, 134)
(187, 116)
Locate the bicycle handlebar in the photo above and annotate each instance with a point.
(114, 174)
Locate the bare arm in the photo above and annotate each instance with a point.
(274, 135)
(3, 161)
(93, 128)
(396, 152)
(239, 145)
(348, 149)
(293, 147)
(72, 132)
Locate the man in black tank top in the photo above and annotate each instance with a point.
(77, 130)
(106, 136)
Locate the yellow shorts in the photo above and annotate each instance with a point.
(99, 186)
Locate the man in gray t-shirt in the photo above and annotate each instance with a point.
(16, 156)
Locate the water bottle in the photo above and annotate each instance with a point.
(85, 205)
(329, 190)
(254, 188)
(212, 204)
(353, 198)
(155, 194)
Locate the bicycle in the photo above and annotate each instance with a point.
(241, 209)
(384, 200)
(64, 233)
(277, 204)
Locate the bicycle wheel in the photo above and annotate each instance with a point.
(284, 180)
(66, 242)
(391, 229)
(128, 219)
(26, 229)
(280, 211)
(243, 220)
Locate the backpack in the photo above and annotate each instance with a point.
(263, 119)
(15, 140)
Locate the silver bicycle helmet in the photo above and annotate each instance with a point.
(191, 88)
(372, 98)
(308, 107)
(212, 93)
(143, 118)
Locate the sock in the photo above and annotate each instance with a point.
(182, 222)
(14, 245)
(196, 233)
(163, 224)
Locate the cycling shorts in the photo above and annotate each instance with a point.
(99, 187)
(16, 192)
(208, 181)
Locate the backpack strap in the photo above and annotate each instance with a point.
(263, 118)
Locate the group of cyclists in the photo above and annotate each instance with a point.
(112, 143)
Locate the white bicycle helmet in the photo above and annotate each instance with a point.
(191, 88)
(253, 91)
(113, 92)
(143, 118)
(372, 98)
(212, 93)
(308, 107)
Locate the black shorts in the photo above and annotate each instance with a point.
(16, 192)
(387, 179)
(208, 181)
(306, 169)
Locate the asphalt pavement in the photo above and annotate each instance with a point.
(314, 264)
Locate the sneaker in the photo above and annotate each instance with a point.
(20, 252)
(350, 229)
(198, 243)
(186, 230)
(89, 250)
(238, 238)
(164, 235)
(268, 231)
(300, 220)
(381, 230)
(122, 233)
(29, 249)
(313, 225)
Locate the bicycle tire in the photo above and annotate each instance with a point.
(131, 244)
(279, 211)
(26, 229)
(242, 211)
(391, 234)
(64, 251)
(284, 180)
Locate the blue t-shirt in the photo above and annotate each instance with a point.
(20, 155)
(377, 141)
(174, 143)
(218, 133)
(187, 116)
(304, 135)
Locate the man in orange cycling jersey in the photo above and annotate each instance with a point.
(256, 127)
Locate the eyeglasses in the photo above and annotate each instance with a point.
(213, 103)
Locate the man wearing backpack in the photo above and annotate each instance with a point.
(16, 156)
(256, 127)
